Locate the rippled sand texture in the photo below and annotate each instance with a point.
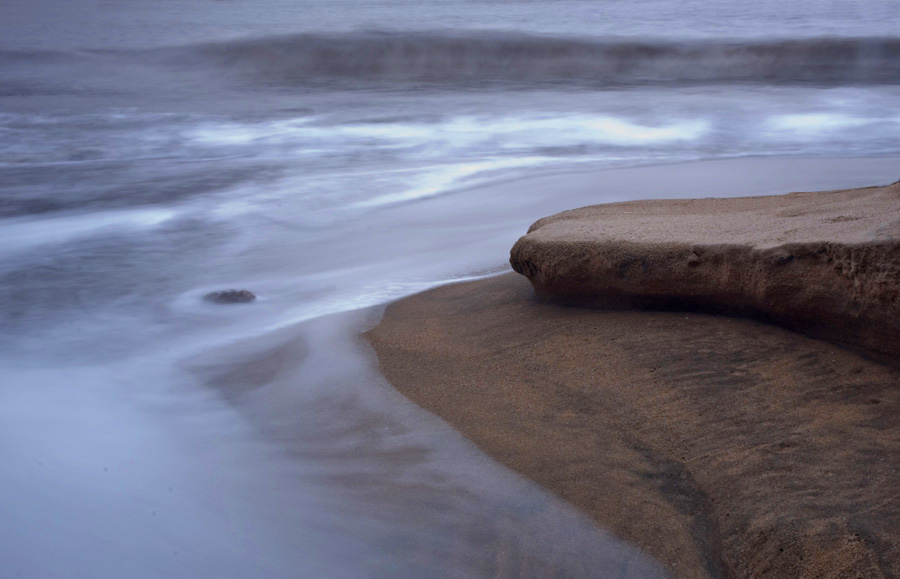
(723, 447)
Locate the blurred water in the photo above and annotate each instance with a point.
(331, 157)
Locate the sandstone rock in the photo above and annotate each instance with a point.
(230, 296)
(826, 264)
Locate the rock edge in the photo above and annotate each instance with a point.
(825, 264)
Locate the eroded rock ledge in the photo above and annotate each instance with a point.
(826, 264)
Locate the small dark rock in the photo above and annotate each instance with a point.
(230, 296)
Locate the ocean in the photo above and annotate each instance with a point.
(332, 157)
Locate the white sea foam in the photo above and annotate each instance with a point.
(443, 179)
(460, 132)
(817, 123)
(24, 233)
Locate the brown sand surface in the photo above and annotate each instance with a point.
(826, 264)
(723, 447)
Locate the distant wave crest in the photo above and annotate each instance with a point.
(474, 58)
(445, 57)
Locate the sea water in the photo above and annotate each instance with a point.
(331, 157)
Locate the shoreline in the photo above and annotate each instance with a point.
(722, 447)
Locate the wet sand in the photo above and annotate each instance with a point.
(723, 447)
(394, 491)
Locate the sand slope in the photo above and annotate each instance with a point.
(826, 264)
(724, 447)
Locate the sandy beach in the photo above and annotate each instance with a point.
(722, 446)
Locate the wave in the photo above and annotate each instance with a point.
(446, 57)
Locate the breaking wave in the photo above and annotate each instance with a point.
(447, 58)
